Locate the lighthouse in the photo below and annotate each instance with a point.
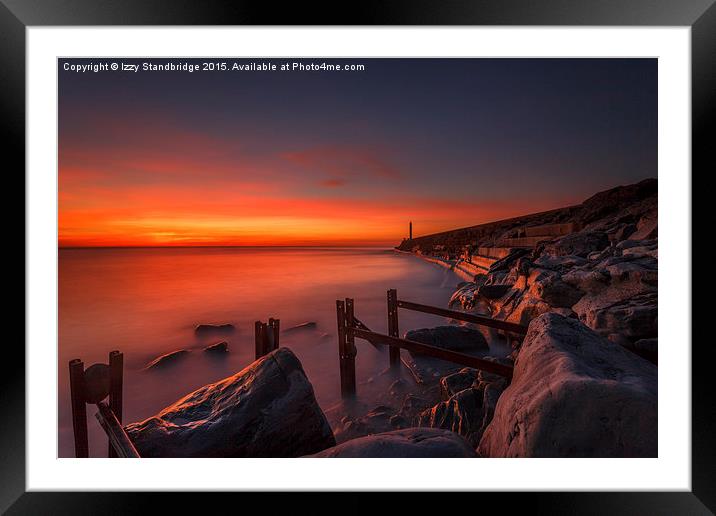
(411, 230)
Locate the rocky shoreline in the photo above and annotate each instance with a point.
(584, 279)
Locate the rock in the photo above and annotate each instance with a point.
(218, 348)
(167, 359)
(409, 442)
(428, 370)
(646, 348)
(462, 413)
(624, 232)
(413, 404)
(578, 244)
(398, 421)
(214, 329)
(493, 291)
(456, 338)
(506, 262)
(456, 382)
(302, 326)
(375, 421)
(574, 394)
(647, 227)
(548, 287)
(266, 410)
(633, 318)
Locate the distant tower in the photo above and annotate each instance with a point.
(411, 230)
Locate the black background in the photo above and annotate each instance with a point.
(15, 15)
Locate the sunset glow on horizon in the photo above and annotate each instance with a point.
(343, 159)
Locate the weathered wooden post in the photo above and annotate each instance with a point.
(259, 339)
(346, 348)
(79, 410)
(393, 330)
(274, 325)
(266, 337)
(116, 366)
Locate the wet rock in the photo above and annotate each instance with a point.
(461, 413)
(300, 327)
(409, 442)
(214, 329)
(399, 421)
(493, 291)
(167, 359)
(456, 382)
(574, 394)
(218, 348)
(266, 410)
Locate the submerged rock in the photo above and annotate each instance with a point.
(167, 359)
(266, 410)
(218, 348)
(214, 329)
(574, 394)
(302, 326)
(409, 442)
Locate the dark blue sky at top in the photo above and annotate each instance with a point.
(469, 128)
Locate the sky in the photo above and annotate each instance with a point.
(347, 158)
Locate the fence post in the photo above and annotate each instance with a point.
(393, 330)
(79, 409)
(116, 366)
(346, 359)
(274, 324)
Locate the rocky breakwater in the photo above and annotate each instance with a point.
(574, 394)
(606, 274)
(266, 410)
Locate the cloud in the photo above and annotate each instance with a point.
(333, 183)
(342, 162)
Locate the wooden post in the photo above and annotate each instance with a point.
(349, 351)
(393, 330)
(275, 325)
(116, 366)
(79, 409)
(346, 363)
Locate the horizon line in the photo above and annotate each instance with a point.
(214, 246)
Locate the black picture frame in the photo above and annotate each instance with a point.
(700, 15)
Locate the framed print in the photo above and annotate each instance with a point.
(289, 251)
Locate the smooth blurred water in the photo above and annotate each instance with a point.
(146, 302)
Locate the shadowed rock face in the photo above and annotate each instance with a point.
(456, 338)
(266, 410)
(406, 443)
(574, 394)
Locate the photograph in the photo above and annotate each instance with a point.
(357, 257)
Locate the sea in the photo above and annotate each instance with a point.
(146, 302)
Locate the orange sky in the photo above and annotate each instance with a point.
(175, 159)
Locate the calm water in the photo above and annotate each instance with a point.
(146, 302)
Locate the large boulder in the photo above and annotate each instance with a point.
(406, 443)
(266, 410)
(574, 394)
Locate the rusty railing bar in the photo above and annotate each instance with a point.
(444, 354)
(462, 316)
